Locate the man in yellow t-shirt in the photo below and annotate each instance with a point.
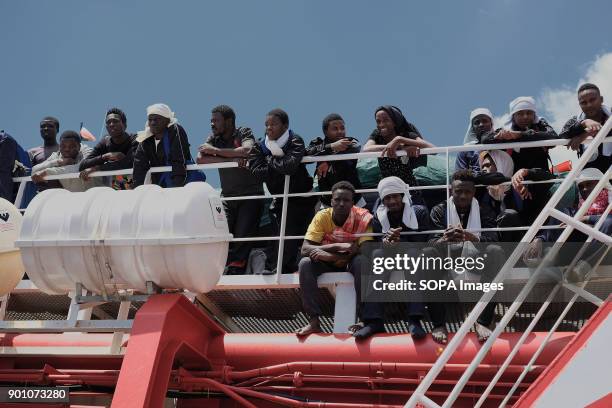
(331, 245)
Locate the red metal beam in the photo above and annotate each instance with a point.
(167, 328)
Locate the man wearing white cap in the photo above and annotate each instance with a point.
(586, 183)
(593, 114)
(163, 143)
(481, 123)
(525, 125)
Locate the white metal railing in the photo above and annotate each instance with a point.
(419, 395)
(312, 159)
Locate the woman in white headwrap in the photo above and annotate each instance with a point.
(481, 123)
(163, 143)
(501, 198)
(525, 125)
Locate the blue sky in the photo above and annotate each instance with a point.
(435, 60)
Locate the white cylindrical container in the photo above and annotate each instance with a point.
(109, 240)
(11, 267)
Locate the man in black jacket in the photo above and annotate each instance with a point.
(594, 114)
(163, 133)
(526, 126)
(335, 142)
(8, 155)
(231, 143)
(115, 151)
(279, 155)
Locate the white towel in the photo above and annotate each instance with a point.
(276, 146)
(395, 185)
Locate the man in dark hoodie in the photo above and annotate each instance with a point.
(335, 142)
(115, 151)
(163, 143)
(278, 155)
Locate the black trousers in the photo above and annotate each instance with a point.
(310, 271)
(494, 259)
(415, 307)
(300, 212)
(510, 218)
(243, 218)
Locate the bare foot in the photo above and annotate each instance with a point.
(482, 332)
(313, 327)
(439, 334)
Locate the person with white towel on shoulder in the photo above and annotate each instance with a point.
(278, 155)
(463, 225)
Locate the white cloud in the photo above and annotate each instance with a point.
(560, 104)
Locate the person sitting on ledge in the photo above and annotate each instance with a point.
(394, 213)
(466, 214)
(330, 245)
(586, 183)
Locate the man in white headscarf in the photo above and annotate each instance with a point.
(481, 123)
(163, 143)
(525, 125)
(395, 213)
(593, 114)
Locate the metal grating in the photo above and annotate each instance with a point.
(270, 310)
(280, 311)
(37, 306)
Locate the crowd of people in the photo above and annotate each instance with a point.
(332, 223)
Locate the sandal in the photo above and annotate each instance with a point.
(440, 335)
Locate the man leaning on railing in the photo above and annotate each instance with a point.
(593, 114)
(66, 161)
(525, 125)
(335, 142)
(279, 155)
(114, 152)
(231, 143)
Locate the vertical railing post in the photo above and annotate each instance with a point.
(147, 179)
(20, 193)
(283, 224)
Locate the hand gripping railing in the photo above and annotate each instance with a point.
(419, 395)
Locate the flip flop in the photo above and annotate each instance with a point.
(440, 335)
